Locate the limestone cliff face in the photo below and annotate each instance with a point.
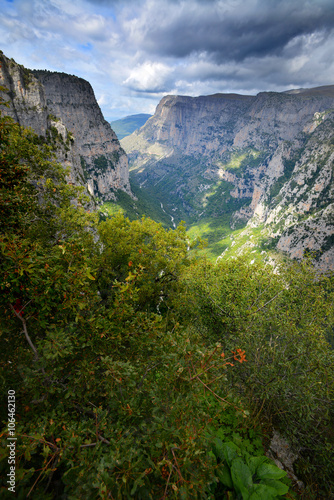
(104, 161)
(210, 125)
(265, 160)
(25, 96)
(64, 107)
(301, 215)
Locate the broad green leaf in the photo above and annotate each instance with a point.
(269, 471)
(241, 477)
(224, 476)
(280, 487)
(218, 449)
(262, 492)
(230, 452)
(254, 462)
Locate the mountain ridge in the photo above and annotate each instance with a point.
(231, 159)
(63, 108)
(125, 126)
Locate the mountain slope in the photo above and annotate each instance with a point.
(63, 108)
(125, 126)
(223, 161)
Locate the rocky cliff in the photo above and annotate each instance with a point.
(63, 107)
(233, 162)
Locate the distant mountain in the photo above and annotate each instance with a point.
(125, 126)
(246, 172)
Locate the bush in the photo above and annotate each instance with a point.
(135, 364)
(281, 320)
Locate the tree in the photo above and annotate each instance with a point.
(132, 362)
(280, 319)
(144, 244)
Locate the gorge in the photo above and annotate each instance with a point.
(141, 368)
(249, 173)
(254, 163)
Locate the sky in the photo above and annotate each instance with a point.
(133, 52)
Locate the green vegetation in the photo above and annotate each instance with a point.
(250, 242)
(214, 232)
(101, 163)
(189, 193)
(140, 369)
(27, 76)
(205, 205)
(239, 160)
(289, 166)
(143, 205)
(249, 476)
(53, 118)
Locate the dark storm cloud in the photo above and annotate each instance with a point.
(234, 31)
(135, 51)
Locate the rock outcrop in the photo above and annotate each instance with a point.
(265, 161)
(64, 108)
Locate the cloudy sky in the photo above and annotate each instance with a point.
(134, 52)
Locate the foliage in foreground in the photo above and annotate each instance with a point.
(139, 370)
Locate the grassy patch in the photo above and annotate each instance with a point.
(135, 209)
(215, 232)
(238, 161)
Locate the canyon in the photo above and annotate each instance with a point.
(247, 172)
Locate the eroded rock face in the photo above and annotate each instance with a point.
(64, 108)
(25, 95)
(270, 156)
(104, 161)
(301, 216)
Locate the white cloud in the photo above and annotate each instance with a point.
(133, 52)
(149, 77)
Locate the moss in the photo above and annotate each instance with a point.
(101, 163)
(84, 168)
(53, 118)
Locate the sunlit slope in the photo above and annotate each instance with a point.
(225, 162)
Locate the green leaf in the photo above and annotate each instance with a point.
(218, 448)
(241, 477)
(269, 471)
(230, 452)
(254, 462)
(224, 476)
(262, 492)
(280, 487)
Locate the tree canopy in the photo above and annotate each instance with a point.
(141, 370)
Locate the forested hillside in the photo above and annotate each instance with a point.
(141, 370)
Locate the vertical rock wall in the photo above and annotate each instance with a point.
(104, 161)
(64, 107)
